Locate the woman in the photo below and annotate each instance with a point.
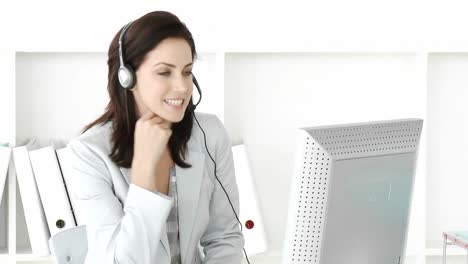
(145, 184)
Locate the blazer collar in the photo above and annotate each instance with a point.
(188, 192)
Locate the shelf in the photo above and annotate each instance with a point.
(247, 78)
(4, 258)
(31, 257)
(451, 251)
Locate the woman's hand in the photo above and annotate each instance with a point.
(152, 134)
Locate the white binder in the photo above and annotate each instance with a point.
(63, 157)
(52, 189)
(33, 211)
(5, 153)
(255, 240)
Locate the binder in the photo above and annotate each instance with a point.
(5, 153)
(255, 239)
(36, 222)
(52, 189)
(63, 155)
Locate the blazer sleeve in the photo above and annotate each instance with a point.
(117, 233)
(223, 241)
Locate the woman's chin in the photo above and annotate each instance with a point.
(173, 118)
(173, 114)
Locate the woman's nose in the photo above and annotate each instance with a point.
(182, 85)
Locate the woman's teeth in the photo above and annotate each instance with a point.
(174, 102)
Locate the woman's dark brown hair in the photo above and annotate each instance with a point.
(140, 38)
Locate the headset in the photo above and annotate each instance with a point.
(127, 79)
(126, 73)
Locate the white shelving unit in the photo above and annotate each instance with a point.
(246, 79)
(264, 71)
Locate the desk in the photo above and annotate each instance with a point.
(458, 238)
(269, 257)
(275, 257)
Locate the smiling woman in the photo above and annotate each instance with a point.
(144, 179)
(157, 37)
(165, 87)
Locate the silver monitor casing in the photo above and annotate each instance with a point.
(351, 193)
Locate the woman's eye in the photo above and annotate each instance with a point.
(164, 73)
(188, 73)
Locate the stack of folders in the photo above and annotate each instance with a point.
(42, 185)
(5, 153)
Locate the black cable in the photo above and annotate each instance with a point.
(234, 211)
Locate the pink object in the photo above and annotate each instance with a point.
(456, 239)
(459, 238)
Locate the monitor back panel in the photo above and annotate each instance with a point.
(367, 211)
(350, 193)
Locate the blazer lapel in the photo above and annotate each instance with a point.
(188, 191)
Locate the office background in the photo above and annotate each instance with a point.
(265, 69)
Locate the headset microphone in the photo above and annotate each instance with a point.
(191, 107)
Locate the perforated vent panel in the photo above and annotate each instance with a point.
(308, 209)
(316, 151)
(368, 139)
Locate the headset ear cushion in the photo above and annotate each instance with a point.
(126, 76)
(132, 78)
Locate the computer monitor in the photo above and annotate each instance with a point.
(351, 193)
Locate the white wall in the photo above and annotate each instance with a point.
(57, 94)
(447, 171)
(334, 25)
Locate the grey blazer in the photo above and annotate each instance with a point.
(126, 223)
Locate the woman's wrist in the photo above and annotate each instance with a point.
(144, 177)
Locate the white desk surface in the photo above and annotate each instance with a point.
(269, 257)
(275, 257)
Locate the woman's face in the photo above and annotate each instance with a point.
(164, 80)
